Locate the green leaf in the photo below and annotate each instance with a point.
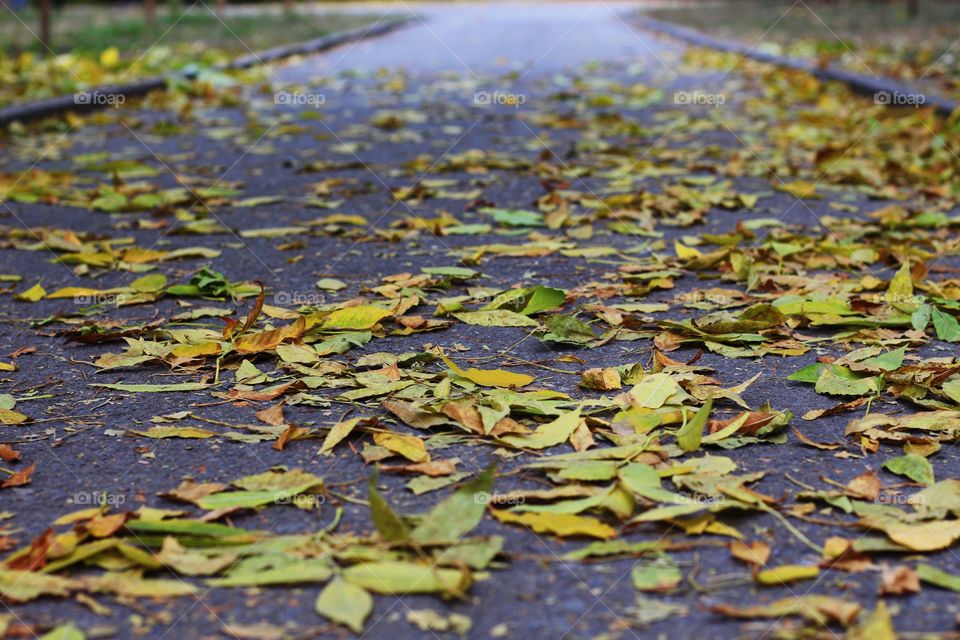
(547, 435)
(460, 273)
(346, 603)
(934, 576)
(654, 390)
(402, 578)
(251, 499)
(889, 361)
(809, 374)
(64, 632)
(952, 389)
(690, 434)
(514, 217)
(912, 466)
(567, 330)
(387, 523)
(495, 318)
(273, 569)
(946, 325)
(830, 383)
(543, 299)
(455, 516)
(190, 528)
(663, 575)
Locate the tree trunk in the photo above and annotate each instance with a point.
(913, 8)
(222, 9)
(149, 12)
(45, 25)
(288, 6)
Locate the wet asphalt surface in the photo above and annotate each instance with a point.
(77, 438)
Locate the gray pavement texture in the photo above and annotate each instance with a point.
(562, 59)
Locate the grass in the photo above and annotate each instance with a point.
(858, 21)
(89, 29)
(873, 37)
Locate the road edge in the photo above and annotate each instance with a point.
(100, 97)
(859, 83)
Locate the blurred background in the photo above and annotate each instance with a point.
(53, 47)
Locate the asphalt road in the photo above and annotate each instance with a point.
(436, 68)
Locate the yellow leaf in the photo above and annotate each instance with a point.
(7, 366)
(787, 573)
(73, 292)
(355, 318)
(490, 377)
(684, 252)
(337, 433)
(110, 58)
(143, 256)
(33, 294)
(196, 350)
(410, 447)
(561, 524)
(9, 416)
(800, 189)
(928, 536)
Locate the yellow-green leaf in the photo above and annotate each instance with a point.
(560, 524)
(345, 602)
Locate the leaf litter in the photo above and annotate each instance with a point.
(627, 433)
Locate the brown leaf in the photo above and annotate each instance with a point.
(19, 478)
(433, 468)
(582, 438)
(8, 453)
(103, 526)
(866, 485)
(290, 433)
(191, 491)
(272, 416)
(757, 553)
(464, 413)
(36, 556)
(896, 581)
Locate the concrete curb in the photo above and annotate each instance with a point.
(100, 97)
(893, 90)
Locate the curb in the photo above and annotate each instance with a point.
(861, 84)
(100, 97)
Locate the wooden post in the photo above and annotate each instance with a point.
(149, 12)
(913, 8)
(45, 25)
(222, 9)
(288, 6)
